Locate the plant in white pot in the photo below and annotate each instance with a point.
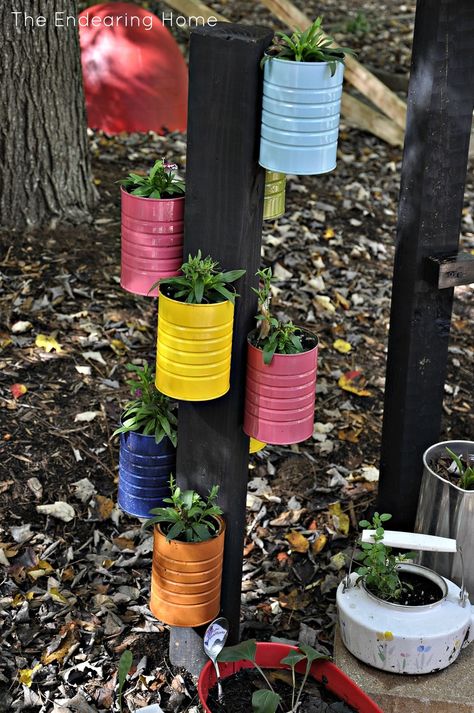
(446, 506)
(302, 88)
(399, 616)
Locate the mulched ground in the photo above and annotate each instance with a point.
(73, 595)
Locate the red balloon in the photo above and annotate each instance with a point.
(135, 77)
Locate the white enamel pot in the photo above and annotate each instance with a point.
(406, 639)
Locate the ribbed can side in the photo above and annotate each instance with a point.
(280, 397)
(152, 241)
(300, 116)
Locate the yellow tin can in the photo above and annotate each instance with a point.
(274, 199)
(193, 349)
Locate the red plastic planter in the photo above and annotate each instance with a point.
(135, 76)
(280, 397)
(269, 656)
(152, 241)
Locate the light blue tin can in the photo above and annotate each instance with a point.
(300, 116)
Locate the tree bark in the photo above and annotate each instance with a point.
(44, 154)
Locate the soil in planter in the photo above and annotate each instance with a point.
(238, 691)
(417, 590)
(443, 467)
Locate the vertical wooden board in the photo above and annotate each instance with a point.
(440, 104)
(223, 218)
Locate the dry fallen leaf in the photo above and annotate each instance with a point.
(21, 326)
(87, 416)
(340, 519)
(60, 653)
(298, 542)
(319, 544)
(342, 346)
(294, 600)
(18, 390)
(61, 510)
(26, 675)
(102, 507)
(341, 300)
(349, 434)
(354, 382)
(47, 343)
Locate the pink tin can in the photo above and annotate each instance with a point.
(152, 241)
(280, 396)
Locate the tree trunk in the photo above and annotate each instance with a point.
(44, 155)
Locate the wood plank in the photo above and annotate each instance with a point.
(194, 8)
(223, 218)
(440, 103)
(364, 117)
(356, 74)
(451, 271)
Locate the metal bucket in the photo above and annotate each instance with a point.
(300, 116)
(447, 511)
(152, 241)
(144, 472)
(280, 397)
(275, 191)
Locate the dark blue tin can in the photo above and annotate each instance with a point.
(144, 472)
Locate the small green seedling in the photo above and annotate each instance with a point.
(190, 517)
(150, 412)
(466, 473)
(274, 337)
(312, 45)
(202, 281)
(379, 570)
(160, 182)
(124, 667)
(267, 700)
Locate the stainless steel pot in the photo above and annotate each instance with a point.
(447, 511)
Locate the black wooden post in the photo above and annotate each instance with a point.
(223, 218)
(440, 105)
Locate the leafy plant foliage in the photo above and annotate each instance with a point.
(190, 517)
(267, 700)
(150, 411)
(379, 570)
(160, 182)
(125, 664)
(202, 281)
(312, 45)
(274, 337)
(466, 472)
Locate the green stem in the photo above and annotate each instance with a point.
(303, 683)
(261, 672)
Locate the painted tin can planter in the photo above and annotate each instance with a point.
(152, 241)
(405, 639)
(274, 197)
(300, 116)
(280, 397)
(194, 349)
(144, 472)
(269, 656)
(446, 510)
(186, 579)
